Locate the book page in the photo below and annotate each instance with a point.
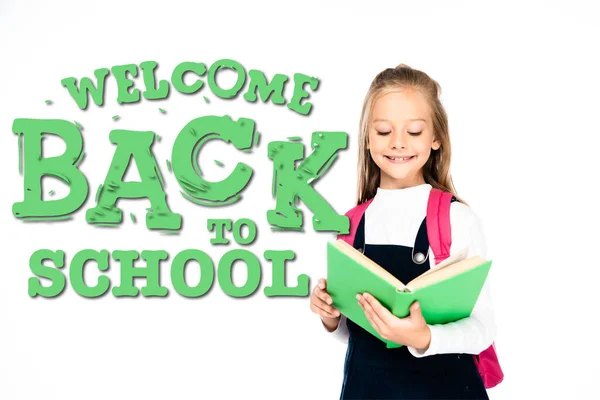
(450, 267)
(461, 255)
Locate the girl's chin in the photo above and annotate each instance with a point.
(395, 176)
(399, 169)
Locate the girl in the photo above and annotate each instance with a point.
(404, 151)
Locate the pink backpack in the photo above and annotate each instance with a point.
(440, 239)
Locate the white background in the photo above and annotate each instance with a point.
(520, 84)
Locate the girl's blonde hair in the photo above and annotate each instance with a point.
(436, 170)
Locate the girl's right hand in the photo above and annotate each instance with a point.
(320, 303)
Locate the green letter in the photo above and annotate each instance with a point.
(259, 81)
(178, 73)
(56, 277)
(212, 81)
(224, 273)
(63, 167)
(237, 231)
(290, 182)
(207, 273)
(81, 96)
(151, 92)
(76, 273)
(300, 93)
(137, 145)
(124, 83)
(219, 226)
(279, 289)
(151, 272)
(185, 159)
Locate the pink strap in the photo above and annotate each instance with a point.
(438, 224)
(440, 239)
(355, 215)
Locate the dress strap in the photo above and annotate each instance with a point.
(359, 238)
(421, 248)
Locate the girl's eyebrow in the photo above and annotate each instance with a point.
(410, 119)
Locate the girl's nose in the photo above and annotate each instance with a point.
(397, 140)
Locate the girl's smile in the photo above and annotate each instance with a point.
(399, 159)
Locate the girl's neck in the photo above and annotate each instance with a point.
(403, 196)
(416, 188)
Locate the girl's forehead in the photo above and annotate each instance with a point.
(401, 104)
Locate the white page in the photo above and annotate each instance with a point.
(461, 255)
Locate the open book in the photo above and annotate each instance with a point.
(446, 292)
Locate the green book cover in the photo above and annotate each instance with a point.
(444, 296)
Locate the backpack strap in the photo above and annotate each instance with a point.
(439, 232)
(355, 215)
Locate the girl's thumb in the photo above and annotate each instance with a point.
(415, 307)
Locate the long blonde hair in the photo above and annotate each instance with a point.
(436, 170)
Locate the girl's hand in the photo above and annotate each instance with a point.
(320, 303)
(410, 331)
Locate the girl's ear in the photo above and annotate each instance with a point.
(436, 144)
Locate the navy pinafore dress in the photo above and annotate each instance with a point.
(372, 371)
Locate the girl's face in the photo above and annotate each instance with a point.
(401, 138)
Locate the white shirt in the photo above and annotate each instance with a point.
(394, 217)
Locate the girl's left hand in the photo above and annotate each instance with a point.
(410, 331)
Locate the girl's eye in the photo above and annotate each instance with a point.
(415, 133)
(383, 133)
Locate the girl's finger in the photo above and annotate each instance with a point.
(324, 306)
(377, 323)
(322, 284)
(383, 313)
(319, 294)
(370, 319)
(324, 312)
(323, 295)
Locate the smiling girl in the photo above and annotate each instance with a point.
(404, 152)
